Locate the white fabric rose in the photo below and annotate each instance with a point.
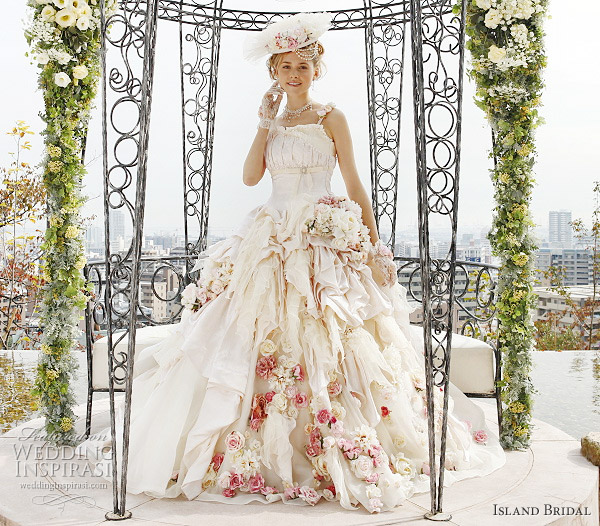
(83, 23)
(279, 402)
(62, 80)
(224, 479)
(496, 54)
(80, 72)
(338, 410)
(402, 465)
(267, 348)
(362, 466)
(328, 441)
(189, 294)
(65, 18)
(372, 491)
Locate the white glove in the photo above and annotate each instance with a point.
(270, 105)
(383, 259)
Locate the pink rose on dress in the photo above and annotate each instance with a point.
(309, 495)
(375, 504)
(268, 490)
(256, 483)
(385, 412)
(227, 492)
(301, 400)
(298, 373)
(425, 468)
(291, 492)
(255, 424)
(236, 480)
(269, 396)
(313, 450)
(337, 429)
(324, 416)
(235, 441)
(217, 460)
(315, 437)
(265, 366)
(334, 388)
(480, 436)
(290, 391)
(372, 478)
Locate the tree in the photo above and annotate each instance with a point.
(22, 203)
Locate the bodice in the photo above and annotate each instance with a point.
(301, 160)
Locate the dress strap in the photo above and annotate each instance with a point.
(323, 112)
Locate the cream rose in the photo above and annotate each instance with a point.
(492, 19)
(362, 466)
(267, 348)
(496, 54)
(320, 465)
(80, 72)
(483, 4)
(372, 491)
(62, 80)
(279, 402)
(403, 466)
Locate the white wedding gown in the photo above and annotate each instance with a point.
(301, 379)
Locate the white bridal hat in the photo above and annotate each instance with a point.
(288, 34)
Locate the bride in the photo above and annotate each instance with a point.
(294, 374)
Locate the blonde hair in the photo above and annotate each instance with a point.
(275, 59)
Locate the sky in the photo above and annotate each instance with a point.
(567, 143)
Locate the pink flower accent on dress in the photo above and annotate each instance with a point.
(334, 388)
(265, 366)
(324, 416)
(385, 412)
(301, 400)
(217, 460)
(298, 373)
(480, 436)
(228, 492)
(256, 483)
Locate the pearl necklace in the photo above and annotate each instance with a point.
(289, 114)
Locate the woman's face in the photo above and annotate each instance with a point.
(295, 74)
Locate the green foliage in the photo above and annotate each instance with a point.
(506, 46)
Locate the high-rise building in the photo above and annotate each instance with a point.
(561, 232)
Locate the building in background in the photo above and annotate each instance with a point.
(560, 231)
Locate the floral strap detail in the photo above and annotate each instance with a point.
(324, 111)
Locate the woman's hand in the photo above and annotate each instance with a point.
(270, 105)
(383, 259)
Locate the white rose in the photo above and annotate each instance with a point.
(65, 17)
(42, 58)
(267, 347)
(492, 19)
(496, 54)
(42, 2)
(80, 72)
(78, 5)
(373, 491)
(62, 4)
(320, 465)
(48, 13)
(62, 80)
(402, 466)
(224, 479)
(279, 402)
(362, 466)
(217, 286)
(188, 296)
(483, 4)
(328, 494)
(339, 243)
(338, 410)
(328, 442)
(292, 412)
(83, 23)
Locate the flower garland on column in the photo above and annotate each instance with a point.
(506, 45)
(64, 37)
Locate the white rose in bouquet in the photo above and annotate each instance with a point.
(42, 58)
(496, 54)
(48, 13)
(83, 23)
(65, 18)
(80, 72)
(62, 80)
(492, 19)
(189, 296)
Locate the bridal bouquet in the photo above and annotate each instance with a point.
(339, 219)
(215, 277)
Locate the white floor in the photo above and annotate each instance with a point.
(550, 474)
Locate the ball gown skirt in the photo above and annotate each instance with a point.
(299, 377)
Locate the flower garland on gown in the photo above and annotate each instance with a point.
(293, 374)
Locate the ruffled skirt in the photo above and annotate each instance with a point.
(301, 380)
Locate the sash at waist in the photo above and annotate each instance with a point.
(299, 170)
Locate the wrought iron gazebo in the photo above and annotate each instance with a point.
(128, 52)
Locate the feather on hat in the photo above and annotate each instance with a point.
(287, 34)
